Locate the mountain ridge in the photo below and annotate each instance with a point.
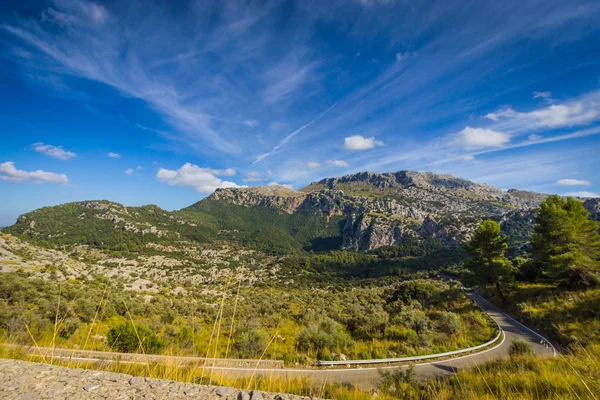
(362, 211)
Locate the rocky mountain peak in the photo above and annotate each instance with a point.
(400, 179)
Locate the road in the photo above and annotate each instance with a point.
(368, 377)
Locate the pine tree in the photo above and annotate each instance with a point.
(487, 261)
(565, 239)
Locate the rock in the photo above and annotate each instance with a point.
(115, 377)
(243, 396)
(135, 380)
(154, 383)
(18, 381)
(225, 391)
(91, 387)
(191, 391)
(343, 357)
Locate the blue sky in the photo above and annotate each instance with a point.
(162, 102)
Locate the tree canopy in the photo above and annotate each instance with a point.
(564, 238)
(486, 251)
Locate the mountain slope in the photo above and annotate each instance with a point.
(363, 211)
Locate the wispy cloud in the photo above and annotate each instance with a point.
(9, 173)
(557, 115)
(53, 151)
(291, 135)
(114, 155)
(547, 96)
(573, 182)
(338, 163)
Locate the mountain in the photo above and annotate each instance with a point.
(363, 211)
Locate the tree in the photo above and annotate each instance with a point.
(487, 261)
(564, 238)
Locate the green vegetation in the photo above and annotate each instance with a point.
(377, 320)
(128, 337)
(266, 229)
(318, 302)
(487, 262)
(565, 240)
(519, 348)
(110, 226)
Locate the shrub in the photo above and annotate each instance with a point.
(449, 323)
(124, 338)
(250, 341)
(519, 347)
(399, 382)
(325, 334)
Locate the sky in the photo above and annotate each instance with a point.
(162, 102)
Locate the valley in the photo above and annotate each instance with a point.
(362, 267)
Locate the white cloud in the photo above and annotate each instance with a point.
(358, 142)
(203, 180)
(399, 57)
(114, 155)
(313, 164)
(554, 116)
(533, 137)
(53, 151)
(543, 95)
(573, 182)
(467, 157)
(337, 163)
(222, 172)
(582, 194)
(252, 123)
(9, 173)
(479, 138)
(285, 185)
(129, 171)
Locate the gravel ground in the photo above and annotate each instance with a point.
(24, 380)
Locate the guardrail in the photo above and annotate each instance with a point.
(412, 358)
(417, 358)
(544, 341)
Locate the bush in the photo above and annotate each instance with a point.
(250, 341)
(520, 347)
(325, 334)
(124, 338)
(449, 323)
(399, 382)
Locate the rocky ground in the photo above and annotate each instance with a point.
(27, 381)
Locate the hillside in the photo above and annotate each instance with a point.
(363, 211)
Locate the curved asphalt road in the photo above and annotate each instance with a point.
(368, 377)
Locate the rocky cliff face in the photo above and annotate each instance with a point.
(385, 209)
